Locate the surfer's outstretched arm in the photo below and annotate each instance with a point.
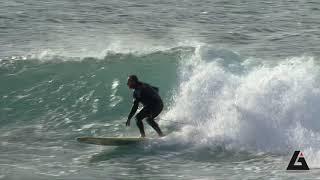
(133, 111)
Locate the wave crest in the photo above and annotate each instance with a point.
(269, 107)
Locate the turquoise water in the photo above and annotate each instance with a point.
(240, 82)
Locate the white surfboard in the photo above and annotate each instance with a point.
(112, 141)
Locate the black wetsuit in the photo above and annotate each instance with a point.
(152, 106)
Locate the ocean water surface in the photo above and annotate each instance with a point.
(240, 81)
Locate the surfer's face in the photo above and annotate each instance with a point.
(131, 84)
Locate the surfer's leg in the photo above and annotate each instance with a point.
(139, 117)
(152, 122)
(141, 128)
(155, 126)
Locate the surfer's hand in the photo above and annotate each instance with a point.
(128, 122)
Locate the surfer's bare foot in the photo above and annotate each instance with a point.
(142, 136)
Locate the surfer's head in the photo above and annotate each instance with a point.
(133, 81)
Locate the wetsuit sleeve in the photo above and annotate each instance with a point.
(134, 108)
(155, 88)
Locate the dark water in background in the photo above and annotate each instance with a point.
(240, 81)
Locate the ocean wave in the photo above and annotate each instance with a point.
(215, 98)
(265, 107)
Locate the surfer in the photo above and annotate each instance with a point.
(152, 103)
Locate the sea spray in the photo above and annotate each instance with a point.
(273, 107)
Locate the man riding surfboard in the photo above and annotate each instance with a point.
(152, 103)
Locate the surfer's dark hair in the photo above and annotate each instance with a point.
(134, 78)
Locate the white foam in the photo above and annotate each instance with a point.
(84, 47)
(268, 108)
